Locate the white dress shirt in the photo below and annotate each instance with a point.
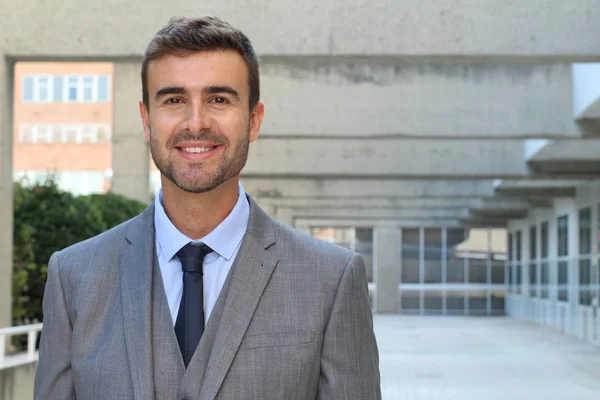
(225, 240)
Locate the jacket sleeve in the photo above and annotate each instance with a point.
(349, 357)
(53, 379)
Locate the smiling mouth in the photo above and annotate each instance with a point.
(197, 149)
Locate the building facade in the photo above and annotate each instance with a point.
(409, 130)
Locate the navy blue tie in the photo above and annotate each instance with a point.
(189, 326)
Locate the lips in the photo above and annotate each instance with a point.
(197, 152)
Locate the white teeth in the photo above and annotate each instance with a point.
(197, 149)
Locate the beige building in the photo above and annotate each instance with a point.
(63, 124)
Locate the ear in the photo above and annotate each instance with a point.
(256, 119)
(145, 121)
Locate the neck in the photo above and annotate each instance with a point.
(198, 214)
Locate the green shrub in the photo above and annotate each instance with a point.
(47, 219)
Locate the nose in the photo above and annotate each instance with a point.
(198, 118)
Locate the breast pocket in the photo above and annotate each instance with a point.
(285, 339)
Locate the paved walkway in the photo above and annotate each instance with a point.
(451, 358)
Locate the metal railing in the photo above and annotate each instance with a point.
(21, 358)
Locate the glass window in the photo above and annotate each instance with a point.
(433, 256)
(58, 88)
(498, 272)
(545, 280)
(410, 301)
(103, 88)
(563, 235)
(518, 246)
(563, 280)
(533, 279)
(432, 302)
(364, 245)
(43, 89)
(585, 231)
(498, 301)
(477, 270)
(28, 88)
(544, 239)
(477, 302)
(584, 282)
(73, 88)
(455, 258)
(455, 302)
(533, 242)
(410, 256)
(88, 88)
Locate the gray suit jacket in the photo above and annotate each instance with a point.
(292, 322)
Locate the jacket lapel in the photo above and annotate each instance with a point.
(136, 283)
(250, 274)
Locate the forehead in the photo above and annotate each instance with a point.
(199, 69)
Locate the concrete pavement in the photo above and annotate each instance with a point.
(448, 358)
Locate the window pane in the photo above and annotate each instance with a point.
(433, 256)
(455, 258)
(28, 88)
(533, 280)
(584, 282)
(498, 301)
(73, 88)
(563, 237)
(410, 301)
(455, 302)
(563, 280)
(477, 270)
(103, 88)
(544, 280)
(410, 256)
(510, 247)
(498, 272)
(544, 239)
(585, 231)
(518, 278)
(433, 302)
(43, 94)
(364, 246)
(533, 243)
(519, 246)
(58, 88)
(477, 303)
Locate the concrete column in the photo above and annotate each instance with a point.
(130, 155)
(6, 191)
(386, 261)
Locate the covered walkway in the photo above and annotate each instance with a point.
(491, 358)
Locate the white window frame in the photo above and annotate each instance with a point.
(81, 86)
(36, 88)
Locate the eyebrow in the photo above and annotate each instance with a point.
(208, 90)
(170, 90)
(222, 89)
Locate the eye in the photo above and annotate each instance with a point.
(220, 100)
(173, 100)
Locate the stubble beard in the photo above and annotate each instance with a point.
(194, 177)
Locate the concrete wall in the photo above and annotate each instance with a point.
(6, 193)
(131, 152)
(17, 383)
(316, 27)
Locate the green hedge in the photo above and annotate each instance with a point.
(47, 219)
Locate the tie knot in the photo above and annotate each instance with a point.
(192, 256)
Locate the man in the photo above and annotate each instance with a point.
(204, 296)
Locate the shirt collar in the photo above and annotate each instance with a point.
(224, 239)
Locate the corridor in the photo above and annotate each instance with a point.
(488, 358)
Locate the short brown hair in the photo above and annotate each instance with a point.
(182, 36)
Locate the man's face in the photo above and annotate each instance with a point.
(198, 121)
